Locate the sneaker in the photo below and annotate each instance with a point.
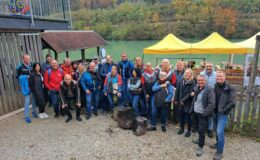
(88, 116)
(180, 131)
(41, 116)
(218, 156)
(151, 129)
(163, 129)
(56, 115)
(27, 120)
(95, 113)
(195, 141)
(79, 119)
(35, 114)
(210, 134)
(46, 115)
(187, 134)
(213, 146)
(199, 151)
(68, 119)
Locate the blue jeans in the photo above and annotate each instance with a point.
(27, 105)
(155, 112)
(111, 101)
(220, 124)
(135, 103)
(125, 94)
(93, 96)
(55, 101)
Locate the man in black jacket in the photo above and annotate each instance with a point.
(224, 104)
(203, 106)
(69, 94)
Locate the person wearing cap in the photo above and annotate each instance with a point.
(163, 94)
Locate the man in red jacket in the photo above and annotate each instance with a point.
(52, 80)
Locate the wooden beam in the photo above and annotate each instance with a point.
(252, 79)
(251, 87)
(83, 55)
(67, 54)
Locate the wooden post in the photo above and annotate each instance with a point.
(56, 55)
(251, 89)
(83, 55)
(98, 49)
(67, 54)
(254, 67)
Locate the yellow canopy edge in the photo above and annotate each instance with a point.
(169, 45)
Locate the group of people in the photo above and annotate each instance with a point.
(203, 102)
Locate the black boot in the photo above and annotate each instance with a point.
(180, 131)
(79, 118)
(68, 119)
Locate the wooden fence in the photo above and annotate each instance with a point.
(242, 119)
(12, 46)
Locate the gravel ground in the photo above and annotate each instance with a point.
(100, 138)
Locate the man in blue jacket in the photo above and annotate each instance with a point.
(23, 72)
(124, 69)
(91, 84)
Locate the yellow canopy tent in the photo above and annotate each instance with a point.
(249, 43)
(169, 45)
(216, 44)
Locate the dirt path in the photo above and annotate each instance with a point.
(100, 138)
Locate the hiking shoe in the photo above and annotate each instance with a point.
(151, 129)
(27, 120)
(88, 116)
(195, 141)
(213, 146)
(163, 129)
(56, 115)
(180, 131)
(199, 151)
(210, 134)
(95, 113)
(187, 134)
(68, 119)
(35, 114)
(79, 119)
(218, 156)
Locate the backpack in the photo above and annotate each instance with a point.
(160, 96)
